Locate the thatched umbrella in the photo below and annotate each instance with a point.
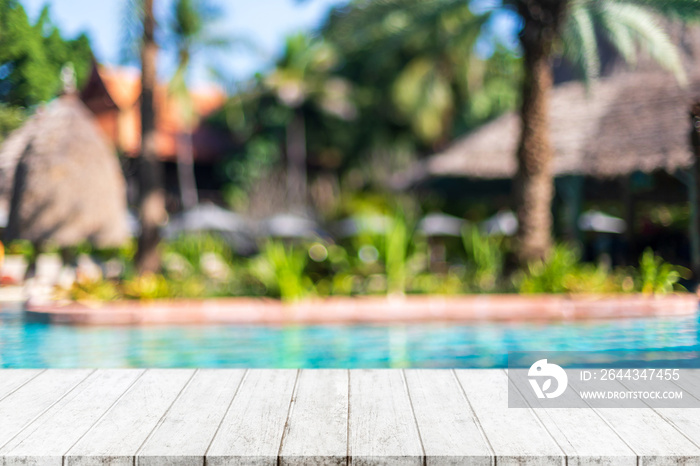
(626, 123)
(63, 180)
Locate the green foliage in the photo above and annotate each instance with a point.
(305, 73)
(628, 25)
(451, 283)
(32, 56)
(397, 241)
(550, 276)
(201, 266)
(188, 34)
(563, 272)
(685, 10)
(486, 254)
(655, 276)
(97, 290)
(416, 66)
(194, 248)
(11, 118)
(244, 170)
(281, 268)
(142, 287)
(20, 247)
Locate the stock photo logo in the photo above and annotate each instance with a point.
(545, 372)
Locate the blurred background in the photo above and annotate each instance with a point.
(325, 147)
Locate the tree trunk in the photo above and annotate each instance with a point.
(534, 184)
(185, 170)
(150, 173)
(296, 161)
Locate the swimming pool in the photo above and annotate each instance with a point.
(34, 345)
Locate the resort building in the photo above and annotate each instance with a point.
(113, 95)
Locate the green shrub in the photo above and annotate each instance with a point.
(398, 238)
(655, 276)
(450, 283)
(150, 286)
(563, 272)
(485, 255)
(20, 247)
(98, 290)
(281, 269)
(194, 246)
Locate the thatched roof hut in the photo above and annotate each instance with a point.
(62, 179)
(626, 123)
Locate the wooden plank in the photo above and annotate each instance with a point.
(317, 429)
(47, 439)
(447, 426)
(329, 417)
(12, 379)
(583, 436)
(251, 432)
(28, 402)
(189, 427)
(117, 436)
(382, 428)
(655, 440)
(689, 381)
(684, 420)
(515, 434)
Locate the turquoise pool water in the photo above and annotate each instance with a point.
(32, 345)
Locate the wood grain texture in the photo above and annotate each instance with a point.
(317, 429)
(319, 417)
(29, 401)
(515, 434)
(686, 421)
(651, 437)
(188, 428)
(12, 379)
(689, 381)
(585, 438)
(49, 437)
(117, 436)
(251, 432)
(447, 426)
(382, 428)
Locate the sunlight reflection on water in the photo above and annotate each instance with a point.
(33, 345)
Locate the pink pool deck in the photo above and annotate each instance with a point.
(379, 310)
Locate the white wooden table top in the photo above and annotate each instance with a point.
(316, 417)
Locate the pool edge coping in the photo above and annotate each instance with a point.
(365, 310)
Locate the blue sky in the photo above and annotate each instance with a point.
(266, 22)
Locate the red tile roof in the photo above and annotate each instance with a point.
(113, 95)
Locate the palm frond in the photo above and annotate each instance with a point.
(645, 28)
(685, 10)
(619, 35)
(581, 45)
(387, 22)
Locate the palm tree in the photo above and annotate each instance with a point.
(548, 26)
(417, 57)
(189, 34)
(626, 24)
(152, 212)
(304, 76)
